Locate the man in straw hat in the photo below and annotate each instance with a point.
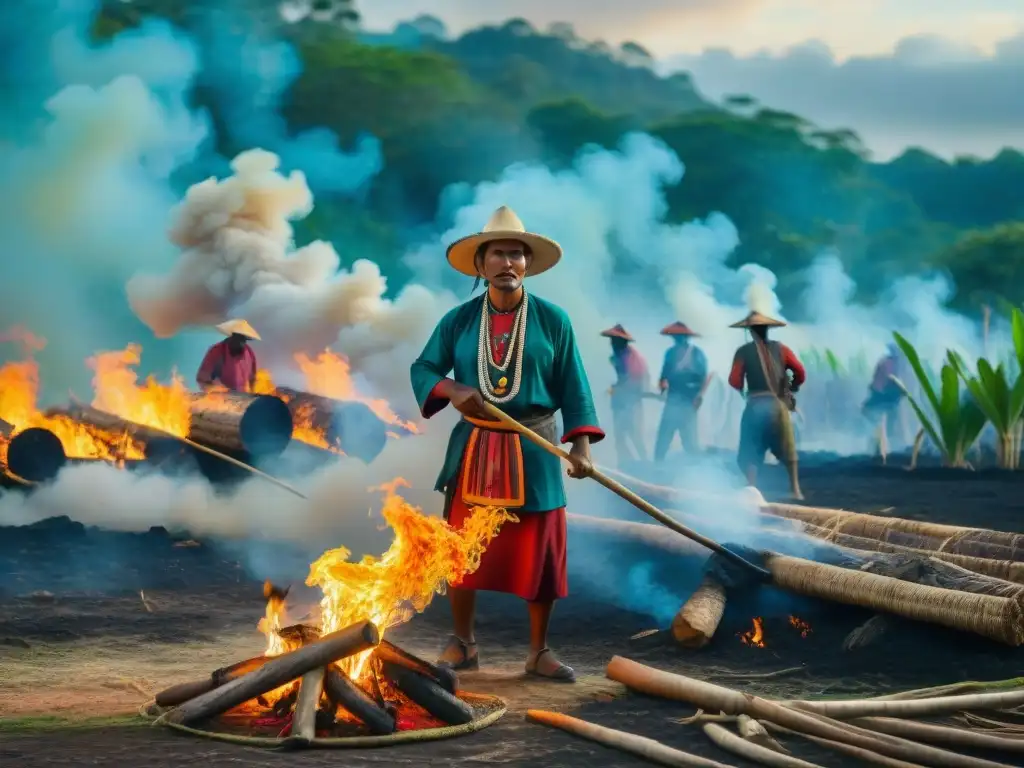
(518, 353)
(230, 363)
(684, 377)
(627, 396)
(765, 425)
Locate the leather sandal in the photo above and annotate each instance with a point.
(563, 673)
(469, 660)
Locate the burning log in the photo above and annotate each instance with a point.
(179, 694)
(351, 426)
(154, 442)
(35, 454)
(428, 694)
(239, 423)
(992, 616)
(311, 687)
(446, 678)
(697, 620)
(350, 697)
(277, 672)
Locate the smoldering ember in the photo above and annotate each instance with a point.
(342, 371)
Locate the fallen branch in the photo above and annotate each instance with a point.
(940, 734)
(714, 698)
(179, 694)
(277, 672)
(641, 746)
(953, 689)
(730, 742)
(930, 707)
(847, 749)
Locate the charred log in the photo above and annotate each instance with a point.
(158, 446)
(277, 672)
(36, 455)
(256, 426)
(349, 696)
(307, 703)
(446, 678)
(426, 692)
(179, 694)
(351, 426)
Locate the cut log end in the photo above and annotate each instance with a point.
(696, 623)
(36, 455)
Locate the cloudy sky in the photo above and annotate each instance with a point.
(944, 74)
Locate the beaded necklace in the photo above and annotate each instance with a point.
(485, 355)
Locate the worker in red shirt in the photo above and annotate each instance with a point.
(230, 363)
(627, 396)
(765, 367)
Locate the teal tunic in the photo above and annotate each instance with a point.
(553, 379)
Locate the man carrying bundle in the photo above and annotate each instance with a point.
(627, 396)
(518, 353)
(684, 378)
(765, 425)
(230, 363)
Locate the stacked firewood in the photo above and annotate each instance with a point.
(319, 693)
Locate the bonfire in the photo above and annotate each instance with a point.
(339, 676)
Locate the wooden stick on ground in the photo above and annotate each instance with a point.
(641, 746)
(277, 672)
(847, 749)
(730, 742)
(940, 734)
(304, 718)
(940, 705)
(714, 698)
(622, 491)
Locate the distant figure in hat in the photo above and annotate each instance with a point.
(627, 396)
(684, 377)
(518, 353)
(230, 363)
(766, 425)
(882, 406)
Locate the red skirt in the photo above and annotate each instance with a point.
(526, 558)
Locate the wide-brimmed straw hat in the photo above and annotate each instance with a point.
(617, 332)
(504, 225)
(757, 320)
(241, 327)
(678, 329)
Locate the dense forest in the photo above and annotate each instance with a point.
(461, 109)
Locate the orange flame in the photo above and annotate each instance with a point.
(800, 625)
(330, 375)
(116, 390)
(424, 555)
(755, 636)
(304, 428)
(19, 394)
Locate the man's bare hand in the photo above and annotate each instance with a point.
(582, 466)
(467, 400)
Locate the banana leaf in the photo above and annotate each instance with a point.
(955, 422)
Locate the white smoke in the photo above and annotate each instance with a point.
(238, 258)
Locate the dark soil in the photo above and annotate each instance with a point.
(203, 596)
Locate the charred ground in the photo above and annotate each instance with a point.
(75, 655)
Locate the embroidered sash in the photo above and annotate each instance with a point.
(492, 466)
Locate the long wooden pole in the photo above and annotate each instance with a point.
(640, 503)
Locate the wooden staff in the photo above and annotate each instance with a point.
(640, 503)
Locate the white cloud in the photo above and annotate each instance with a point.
(930, 91)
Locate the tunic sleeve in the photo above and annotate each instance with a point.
(572, 389)
(432, 366)
(737, 372)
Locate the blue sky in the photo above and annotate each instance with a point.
(944, 74)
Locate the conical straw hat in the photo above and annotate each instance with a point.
(241, 327)
(504, 225)
(757, 320)
(677, 329)
(617, 332)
